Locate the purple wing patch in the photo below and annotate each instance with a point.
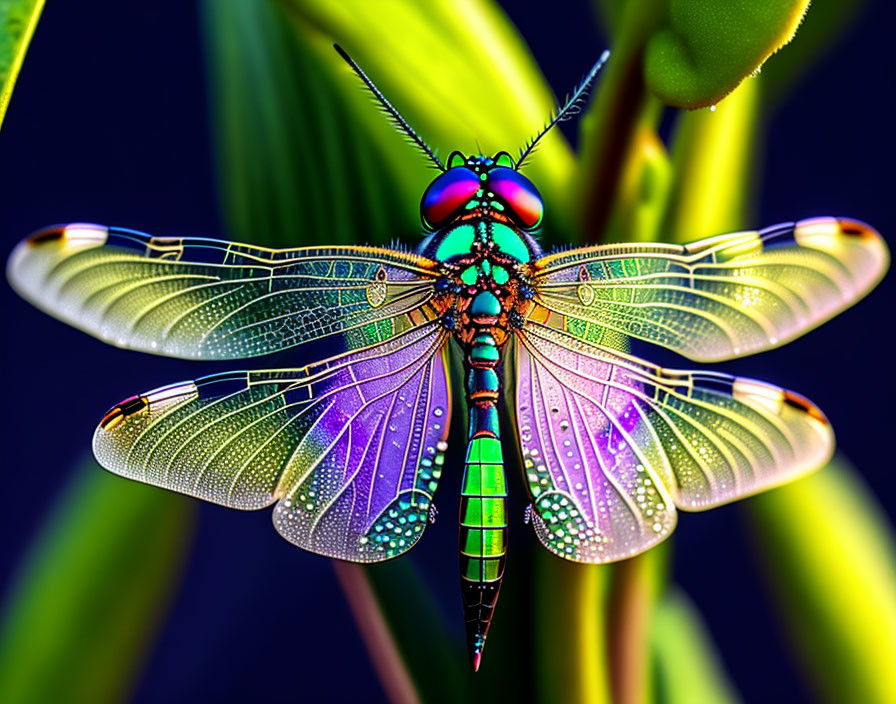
(596, 497)
(360, 484)
(352, 447)
(611, 444)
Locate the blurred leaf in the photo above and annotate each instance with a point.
(18, 18)
(569, 637)
(314, 156)
(830, 558)
(94, 590)
(709, 46)
(714, 157)
(686, 667)
(462, 77)
(304, 156)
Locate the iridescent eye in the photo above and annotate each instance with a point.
(447, 194)
(519, 194)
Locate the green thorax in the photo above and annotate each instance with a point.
(467, 238)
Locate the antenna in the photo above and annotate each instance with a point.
(394, 116)
(571, 108)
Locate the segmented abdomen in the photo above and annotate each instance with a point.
(483, 506)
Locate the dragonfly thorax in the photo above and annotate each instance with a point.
(485, 288)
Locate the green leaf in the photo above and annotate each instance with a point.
(686, 667)
(707, 47)
(463, 79)
(304, 158)
(18, 18)
(84, 610)
(829, 556)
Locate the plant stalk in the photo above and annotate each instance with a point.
(384, 654)
(633, 591)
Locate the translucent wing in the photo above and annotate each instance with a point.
(193, 297)
(611, 443)
(352, 448)
(720, 297)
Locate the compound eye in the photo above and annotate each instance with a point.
(519, 194)
(449, 193)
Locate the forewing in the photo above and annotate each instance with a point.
(610, 443)
(211, 299)
(720, 297)
(352, 448)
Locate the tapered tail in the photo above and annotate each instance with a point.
(483, 512)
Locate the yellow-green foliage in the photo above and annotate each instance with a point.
(17, 21)
(830, 559)
(84, 610)
(707, 47)
(686, 666)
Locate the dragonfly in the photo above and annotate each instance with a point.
(350, 450)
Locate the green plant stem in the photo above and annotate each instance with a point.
(570, 633)
(644, 181)
(714, 159)
(384, 654)
(624, 177)
(614, 117)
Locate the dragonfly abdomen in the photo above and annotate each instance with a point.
(483, 505)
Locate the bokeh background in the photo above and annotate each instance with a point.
(110, 122)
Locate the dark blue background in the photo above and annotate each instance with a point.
(109, 124)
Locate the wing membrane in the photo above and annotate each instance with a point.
(194, 297)
(611, 443)
(720, 297)
(352, 448)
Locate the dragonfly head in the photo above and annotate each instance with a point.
(481, 182)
